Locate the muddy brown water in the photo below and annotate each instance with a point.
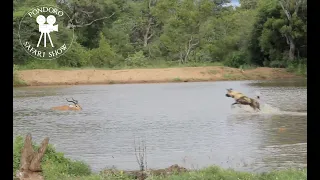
(190, 124)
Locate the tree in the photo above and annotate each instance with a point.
(292, 29)
(279, 32)
(248, 4)
(260, 32)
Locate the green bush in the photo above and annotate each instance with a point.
(217, 173)
(40, 64)
(278, 64)
(76, 56)
(17, 147)
(104, 56)
(136, 60)
(16, 80)
(298, 66)
(19, 54)
(236, 59)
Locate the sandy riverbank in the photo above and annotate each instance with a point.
(186, 74)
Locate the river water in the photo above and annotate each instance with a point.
(189, 124)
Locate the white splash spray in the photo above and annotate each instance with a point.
(264, 109)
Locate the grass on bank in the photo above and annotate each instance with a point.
(56, 166)
(156, 64)
(297, 67)
(16, 80)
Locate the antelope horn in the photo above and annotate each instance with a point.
(75, 101)
(72, 101)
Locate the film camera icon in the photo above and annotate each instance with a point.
(46, 29)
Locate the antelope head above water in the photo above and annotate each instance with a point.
(75, 106)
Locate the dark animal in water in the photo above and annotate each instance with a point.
(242, 99)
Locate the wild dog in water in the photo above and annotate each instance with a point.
(242, 99)
(74, 107)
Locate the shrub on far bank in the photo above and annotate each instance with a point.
(299, 67)
(106, 58)
(104, 55)
(77, 56)
(137, 60)
(39, 64)
(16, 80)
(236, 59)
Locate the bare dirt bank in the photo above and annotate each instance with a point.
(186, 74)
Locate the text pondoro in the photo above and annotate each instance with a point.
(51, 10)
(50, 44)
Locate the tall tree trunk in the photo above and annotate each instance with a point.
(188, 48)
(146, 36)
(292, 47)
(285, 5)
(181, 58)
(292, 51)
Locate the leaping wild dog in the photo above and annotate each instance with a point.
(75, 107)
(242, 99)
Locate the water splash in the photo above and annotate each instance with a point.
(264, 109)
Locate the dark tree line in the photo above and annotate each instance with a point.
(116, 33)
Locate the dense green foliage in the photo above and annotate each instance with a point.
(16, 80)
(56, 166)
(140, 33)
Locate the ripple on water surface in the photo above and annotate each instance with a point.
(190, 124)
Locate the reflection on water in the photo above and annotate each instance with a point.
(190, 124)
